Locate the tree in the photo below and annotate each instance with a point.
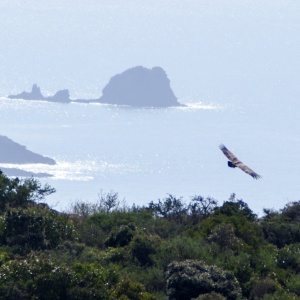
(282, 227)
(108, 201)
(170, 208)
(202, 207)
(234, 207)
(21, 193)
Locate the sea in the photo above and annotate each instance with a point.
(146, 154)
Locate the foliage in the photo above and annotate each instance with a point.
(201, 208)
(128, 290)
(170, 207)
(106, 203)
(20, 193)
(190, 278)
(170, 248)
(142, 248)
(121, 237)
(35, 228)
(264, 287)
(282, 228)
(236, 207)
(210, 296)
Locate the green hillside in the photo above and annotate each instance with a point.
(168, 249)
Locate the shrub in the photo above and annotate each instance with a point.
(152, 278)
(210, 296)
(190, 278)
(34, 279)
(282, 228)
(181, 248)
(39, 278)
(122, 237)
(249, 233)
(36, 228)
(236, 207)
(128, 290)
(224, 236)
(115, 219)
(263, 287)
(289, 257)
(142, 247)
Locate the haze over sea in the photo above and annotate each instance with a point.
(143, 154)
(235, 62)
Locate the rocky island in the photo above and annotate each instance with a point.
(35, 94)
(14, 153)
(138, 87)
(141, 87)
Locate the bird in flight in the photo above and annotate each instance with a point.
(235, 162)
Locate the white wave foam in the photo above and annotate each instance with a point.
(199, 105)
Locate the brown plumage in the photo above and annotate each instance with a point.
(235, 162)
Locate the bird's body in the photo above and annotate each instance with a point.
(235, 162)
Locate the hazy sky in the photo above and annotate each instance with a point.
(211, 50)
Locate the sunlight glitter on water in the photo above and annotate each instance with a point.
(75, 171)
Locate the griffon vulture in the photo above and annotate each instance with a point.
(235, 162)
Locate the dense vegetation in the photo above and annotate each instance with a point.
(168, 249)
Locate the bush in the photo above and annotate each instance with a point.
(289, 257)
(210, 296)
(263, 287)
(282, 228)
(152, 278)
(122, 237)
(128, 290)
(190, 278)
(115, 219)
(249, 233)
(35, 228)
(236, 207)
(142, 247)
(34, 279)
(224, 236)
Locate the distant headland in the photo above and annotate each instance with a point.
(138, 87)
(14, 153)
(35, 94)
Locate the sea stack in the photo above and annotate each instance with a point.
(35, 94)
(141, 87)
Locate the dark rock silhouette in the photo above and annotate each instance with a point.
(35, 94)
(60, 96)
(22, 173)
(140, 86)
(14, 153)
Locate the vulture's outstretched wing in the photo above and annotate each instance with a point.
(248, 170)
(237, 163)
(229, 154)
